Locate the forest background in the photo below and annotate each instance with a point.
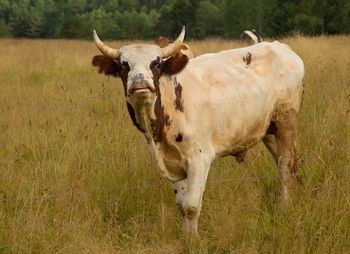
(147, 19)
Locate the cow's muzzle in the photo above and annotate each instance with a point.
(139, 84)
(140, 88)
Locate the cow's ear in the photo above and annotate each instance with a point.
(174, 64)
(106, 65)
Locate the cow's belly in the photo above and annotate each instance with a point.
(238, 137)
(239, 119)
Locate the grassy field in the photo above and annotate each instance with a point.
(76, 176)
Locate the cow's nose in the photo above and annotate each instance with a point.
(138, 78)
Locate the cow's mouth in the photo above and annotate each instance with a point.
(140, 89)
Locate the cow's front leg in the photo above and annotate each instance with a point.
(180, 189)
(197, 174)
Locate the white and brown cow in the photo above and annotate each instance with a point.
(193, 111)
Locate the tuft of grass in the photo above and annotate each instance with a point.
(76, 176)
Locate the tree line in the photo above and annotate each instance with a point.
(146, 19)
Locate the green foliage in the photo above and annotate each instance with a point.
(146, 19)
(4, 29)
(239, 15)
(208, 20)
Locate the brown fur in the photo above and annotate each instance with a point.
(248, 59)
(179, 104)
(106, 65)
(174, 64)
(240, 156)
(179, 137)
(162, 119)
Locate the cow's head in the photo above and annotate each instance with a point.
(140, 66)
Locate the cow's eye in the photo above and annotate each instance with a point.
(158, 65)
(124, 66)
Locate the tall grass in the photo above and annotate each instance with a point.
(76, 176)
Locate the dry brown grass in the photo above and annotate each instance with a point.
(76, 176)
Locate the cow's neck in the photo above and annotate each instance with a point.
(151, 120)
(149, 116)
(139, 113)
(145, 116)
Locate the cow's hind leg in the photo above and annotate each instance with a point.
(285, 120)
(270, 142)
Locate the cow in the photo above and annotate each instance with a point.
(164, 41)
(193, 111)
(252, 36)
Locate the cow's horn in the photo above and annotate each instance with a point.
(176, 45)
(105, 50)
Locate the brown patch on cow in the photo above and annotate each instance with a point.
(162, 119)
(179, 102)
(157, 124)
(174, 64)
(240, 156)
(161, 41)
(179, 137)
(106, 65)
(248, 59)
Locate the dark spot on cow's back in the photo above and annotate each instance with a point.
(179, 137)
(179, 104)
(248, 59)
